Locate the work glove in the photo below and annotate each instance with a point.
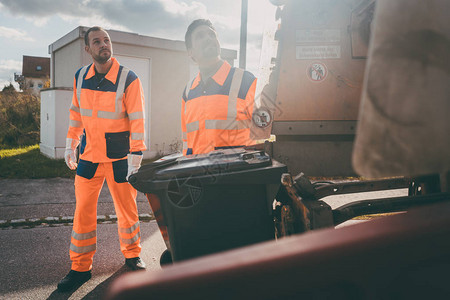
(70, 155)
(134, 163)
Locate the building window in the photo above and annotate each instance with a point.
(38, 68)
(40, 85)
(31, 84)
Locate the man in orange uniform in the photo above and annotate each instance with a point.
(108, 105)
(217, 105)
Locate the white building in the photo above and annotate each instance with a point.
(35, 74)
(163, 67)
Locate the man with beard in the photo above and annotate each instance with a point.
(217, 105)
(108, 112)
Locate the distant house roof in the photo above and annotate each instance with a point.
(34, 66)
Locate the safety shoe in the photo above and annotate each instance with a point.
(135, 263)
(73, 280)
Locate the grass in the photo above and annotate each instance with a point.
(28, 162)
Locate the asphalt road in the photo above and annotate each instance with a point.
(35, 233)
(34, 260)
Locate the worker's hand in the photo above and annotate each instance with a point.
(70, 158)
(134, 163)
(70, 154)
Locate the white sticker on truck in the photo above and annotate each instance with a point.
(317, 52)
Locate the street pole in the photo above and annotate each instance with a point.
(243, 43)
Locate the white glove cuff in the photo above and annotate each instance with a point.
(134, 160)
(71, 144)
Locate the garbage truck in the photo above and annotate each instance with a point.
(360, 87)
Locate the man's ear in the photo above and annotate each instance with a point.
(86, 48)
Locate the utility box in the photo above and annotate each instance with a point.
(55, 104)
(212, 202)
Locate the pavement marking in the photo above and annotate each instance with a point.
(62, 221)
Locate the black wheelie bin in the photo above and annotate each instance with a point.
(211, 202)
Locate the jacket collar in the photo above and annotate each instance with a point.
(220, 76)
(112, 73)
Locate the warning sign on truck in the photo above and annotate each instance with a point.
(317, 52)
(317, 71)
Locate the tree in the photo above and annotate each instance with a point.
(9, 88)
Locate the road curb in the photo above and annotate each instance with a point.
(62, 221)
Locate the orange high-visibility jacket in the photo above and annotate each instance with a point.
(110, 111)
(218, 113)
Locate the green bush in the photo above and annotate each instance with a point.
(19, 119)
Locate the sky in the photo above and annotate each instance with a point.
(28, 27)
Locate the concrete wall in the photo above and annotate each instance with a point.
(67, 61)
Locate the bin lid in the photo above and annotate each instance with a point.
(215, 162)
(228, 166)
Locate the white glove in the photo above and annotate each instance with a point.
(134, 163)
(70, 154)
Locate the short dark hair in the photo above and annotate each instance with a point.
(191, 28)
(86, 35)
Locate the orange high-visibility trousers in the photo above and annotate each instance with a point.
(84, 234)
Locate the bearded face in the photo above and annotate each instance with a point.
(100, 47)
(205, 45)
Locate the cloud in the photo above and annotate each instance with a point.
(4, 83)
(141, 16)
(15, 34)
(10, 65)
(160, 18)
(7, 69)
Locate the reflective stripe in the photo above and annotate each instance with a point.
(234, 91)
(192, 126)
(80, 82)
(184, 135)
(130, 229)
(117, 114)
(136, 115)
(132, 240)
(83, 249)
(74, 123)
(185, 145)
(111, 115)
(227, 124)
(137, 136)
(86, 112)
(231, 122)
(74, 108)
(84, 236)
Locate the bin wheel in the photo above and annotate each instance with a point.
(166, 258)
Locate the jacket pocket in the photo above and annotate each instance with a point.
(117, 144)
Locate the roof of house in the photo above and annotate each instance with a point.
(34, 66)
